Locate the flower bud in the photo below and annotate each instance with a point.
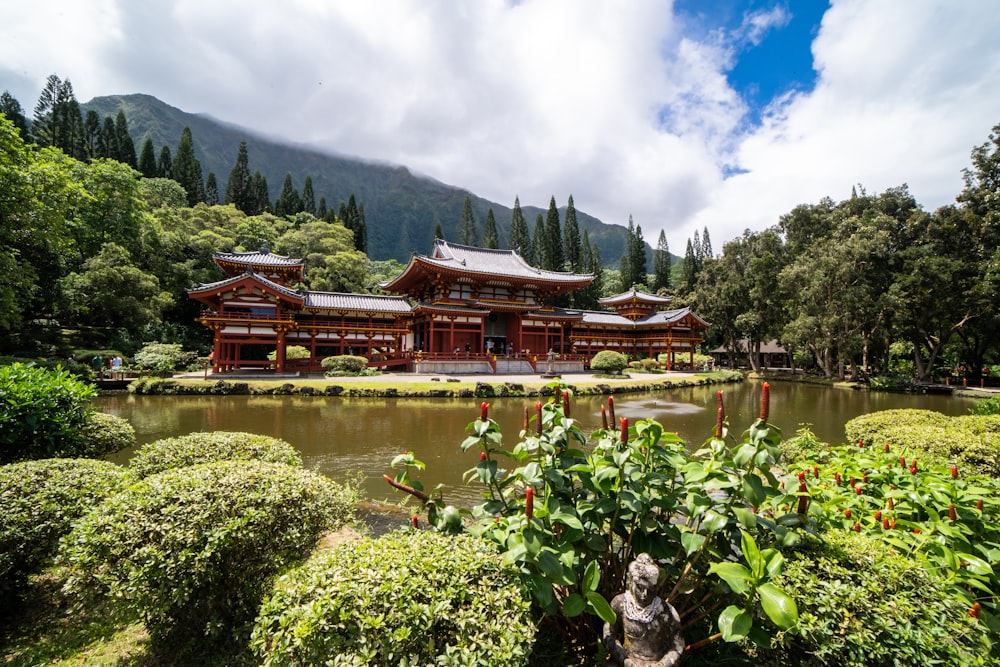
(954, 472)
(952, 514)
(482, 456)
(857, 527)
(878, 515)
(538, 418)
(529, 502)
(604, 418)
(484, 409)
(837, 479)
(847, 513)
(887, 448)
(976, 610)
(979, 504)
(415, 521)
(765, 402)
(892, 505)
(624, 430)
(611, 408)
(565, 402)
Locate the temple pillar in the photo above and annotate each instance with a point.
(280, 351)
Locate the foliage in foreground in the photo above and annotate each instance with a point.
(344, 364)
(103, 434)
(971, 441)
(192, 549)
(39, 500)
(42, 412)
(195, 448)
(410, 597)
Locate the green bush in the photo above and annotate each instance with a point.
(344, 365)
(164, 358)
(39, 500)
(861, 603)
(972, 441)
(987, 406)
(193, 549)
(42, 412)
(644, 365)
(291, 352)
(409, 598)
(609, 361)
(103, 434)
(195, 448)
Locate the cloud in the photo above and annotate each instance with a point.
(614, 103)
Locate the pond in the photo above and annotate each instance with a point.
(346, 438)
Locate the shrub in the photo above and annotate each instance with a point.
(987, 406)
(103, 434)
(971, 441)
(863, 604)
(193, 549)
(644, 365)
(609, 361)
(163, 358)
(39, 500)
(344, 365)
(411, 597)
(195, 448)
(42, 412)
(291, 352)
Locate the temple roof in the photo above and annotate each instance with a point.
(359, 302)
(506, 265)
(264, 282)
(635, 295)
(658, 318)
(262, 258)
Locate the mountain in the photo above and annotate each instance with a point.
(401, 209)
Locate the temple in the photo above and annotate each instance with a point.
(458, 309)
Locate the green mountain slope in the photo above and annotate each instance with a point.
(401, 209)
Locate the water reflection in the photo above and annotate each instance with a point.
(349, 437)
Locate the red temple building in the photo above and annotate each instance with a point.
(461, 309)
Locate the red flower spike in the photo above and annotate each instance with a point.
(604, 418)
(484, 410)
(885, 524)
(611, 408)
(857, 490)
(892, 523)
(902, 461)
(718, 421)
(815, 472)
(887, 448)
(878, 515)
(482, 456)
(529, 502)
(847, 513)
(722, 407)
(979, 504)
(802, 477)
(916, 531)
(538, 418)
(857, 527)
(976, 610)
(892, 505)
(566, 403)
(852, 483)
(837, 479)
(624, 430)
(864, 476)
(803, 504)
(765, 402)
(415, 521)
(954, 472)
(913, 470)
(952, 514)
(861, 442)
(526, 422)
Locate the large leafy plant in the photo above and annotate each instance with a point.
(571, 512)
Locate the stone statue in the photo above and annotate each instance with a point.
(652, 627)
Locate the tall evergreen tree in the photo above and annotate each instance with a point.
(107, 140)
(520, 237)
(689, 267)
(308, 196)
(698, 248)
(147, 159)
(490, 231)
(637, 256)
(187, 169)
(165, 163)
(361, 230)
(538, 242)
(92, 133)
(58, 121)
(706, 245)
(124, 145)
(661, 264)
(571, 239)
(289, 202)
(239, 189)
(261, 196)
(467, 224)
(438, 232)
(12, 109)
(554, 257)
(211, 189)
(627, 263)
(321, 209)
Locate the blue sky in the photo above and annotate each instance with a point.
(723, 114)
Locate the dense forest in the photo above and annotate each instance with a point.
(99, 241)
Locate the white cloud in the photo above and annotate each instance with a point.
(607, 101)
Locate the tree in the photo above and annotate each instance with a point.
(661, 264)
(438, 233)
(520, 237)
(538, 242)
(490, 231)
(165, 163)
(260, 196)
(92, 134)
(308, 196)
(690, 267)
(334, 264)
(467, 224)
(125, 147)
(147, 159)
(361, 230)
(321, 209)
(239, 189)
(553, 256)
(187, 169)
(106, 146)
(706, 245)
(211, 190)
(11, 108)
(58, 122)
(288, 202)
(571, 238)
(632, 265)
(590, 259)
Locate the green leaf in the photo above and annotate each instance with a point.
(734, 623)
(746, 517)
(753, 490)
(691, 542)
(735, 574)
(574, 605)
(591, 577)
(778, 605)
(600, 606)
(752, 554)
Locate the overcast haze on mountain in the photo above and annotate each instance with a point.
(687, 114)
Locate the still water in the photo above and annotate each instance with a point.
(349, 437)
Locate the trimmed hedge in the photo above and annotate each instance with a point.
(193, 549)
(408, 598)
(609, 361)
(861, 603)
(344, 364)
(39, 500)
(971, 441)
(196, 448)
(103, 434)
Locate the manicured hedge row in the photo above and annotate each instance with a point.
(195, 448)
(409, 598)
(39, 500)
(971, 441)
(192, 550)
